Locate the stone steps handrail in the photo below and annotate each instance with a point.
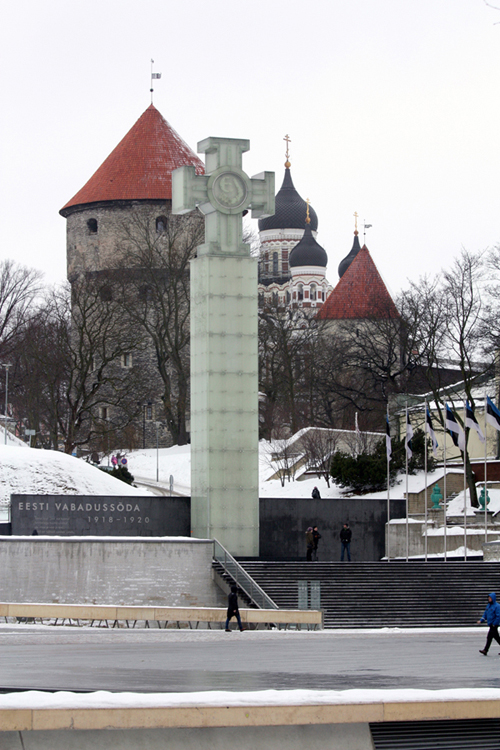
(100, 612)
(256, 594)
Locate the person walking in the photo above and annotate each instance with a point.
(491, 615)
(309, 544)
(232, 609)
(345, 538)
(316, 538)
(315, 494)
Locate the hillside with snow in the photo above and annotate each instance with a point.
(33, 471)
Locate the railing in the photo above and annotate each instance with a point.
(246, 583)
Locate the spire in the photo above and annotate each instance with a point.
(140, 167)
(346, 262)
(360, 294)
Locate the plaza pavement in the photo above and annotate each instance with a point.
(63, 658)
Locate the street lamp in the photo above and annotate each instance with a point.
(158, 425)
(144, 406)
(6, 397)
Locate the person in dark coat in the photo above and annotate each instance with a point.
(316, 538)
(232, 609)
(309, 544)
(315, 494)
(491, 615)
(345, 538)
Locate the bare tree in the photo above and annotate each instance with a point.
(320, 444)
(287, 340)
(450, 315)
(19, 288)
(155, 297)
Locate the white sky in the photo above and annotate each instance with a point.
(392, 107)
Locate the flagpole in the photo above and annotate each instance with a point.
(465, 482)
(444, 493)
(485, 470)
(425, 469)
(406, 452)
(388, 487)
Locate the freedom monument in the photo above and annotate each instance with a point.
(224, 345)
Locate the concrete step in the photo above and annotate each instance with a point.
(385, 594)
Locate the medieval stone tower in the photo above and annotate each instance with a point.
(120, 233)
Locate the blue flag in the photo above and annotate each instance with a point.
(472, 423)
(388, 444)
(409, 435)
(456, 432)
(492, 414)
(430, 431)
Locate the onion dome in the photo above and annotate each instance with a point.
(344, 264)
(308, 252)
(291, 209)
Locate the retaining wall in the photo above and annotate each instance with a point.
(90, 570)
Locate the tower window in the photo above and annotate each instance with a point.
(300, 292)
(127, 360)
(275, 264)
(92, 226)
(313, 291)
(161, 224)
(103, 412)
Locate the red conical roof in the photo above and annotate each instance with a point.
(360, 293)
(140, 167)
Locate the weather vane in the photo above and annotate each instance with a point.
(287, 154)
(365, 227)
(154, 76)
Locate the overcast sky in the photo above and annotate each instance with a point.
(392, 107)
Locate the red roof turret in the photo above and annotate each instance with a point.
(360, 294)
(140, 167)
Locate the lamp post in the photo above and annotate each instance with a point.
(6, 397)
(158, 425)
(144, 407)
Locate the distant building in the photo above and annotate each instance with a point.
(292, 264)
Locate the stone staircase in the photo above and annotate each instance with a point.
(381, 594)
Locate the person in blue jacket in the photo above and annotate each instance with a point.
(492, 616)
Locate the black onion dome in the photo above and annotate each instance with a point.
(308, 252)
(344, 264)
(290, 212)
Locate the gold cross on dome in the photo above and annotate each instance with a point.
(355, 221)
(287, 153)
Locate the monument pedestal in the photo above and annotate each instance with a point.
(224, 402)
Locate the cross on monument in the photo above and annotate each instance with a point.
(223, 194)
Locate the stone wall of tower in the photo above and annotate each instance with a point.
(89, 250)
(98, 244)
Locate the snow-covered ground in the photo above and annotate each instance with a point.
(176, 462)
(103, 699)
(33, 471)
(51, 472)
